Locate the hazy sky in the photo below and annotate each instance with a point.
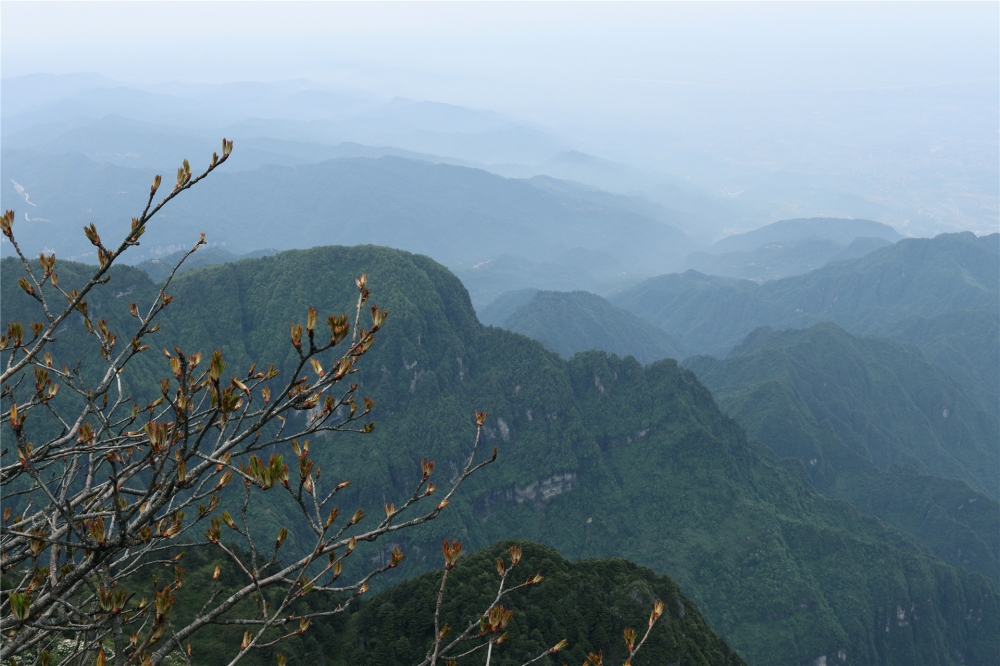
(513, 56)
(889, 101)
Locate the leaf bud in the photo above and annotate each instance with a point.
(427, 466)
(334, 512)
(311, 320)
(216, 366)
(92, 235)
(23, 283)
(656, 612)
(7, 223)
(452, 551)
(561, 645)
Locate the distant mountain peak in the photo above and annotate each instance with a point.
(840, 230)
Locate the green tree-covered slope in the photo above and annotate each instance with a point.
(571, 322)
(875, 424)
(917, 277)
(964, 343)
(882, 399)
(588, 602)
(598, 457)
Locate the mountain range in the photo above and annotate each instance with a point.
(599, 456)
(876, 424)
(915, 277)
(820, 495)
(457, 215)
(845, 407)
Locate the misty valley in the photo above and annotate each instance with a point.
(766, 428)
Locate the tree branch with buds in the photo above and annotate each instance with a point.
(102, 502)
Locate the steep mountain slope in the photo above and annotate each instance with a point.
(598, 457)
(875, 424)
(964, 343)
(914, 277)
(882, 399)
(571, 322)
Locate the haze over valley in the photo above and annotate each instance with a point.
(726, 278)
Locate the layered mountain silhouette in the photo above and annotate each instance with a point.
(458, 215)
(598, 457)
(915, 277)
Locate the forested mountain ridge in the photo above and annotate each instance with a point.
(883, 400)
(588, 602)
(916, 277)
(873, 423)
(571, 322)
(966, 343)
(598, 456)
